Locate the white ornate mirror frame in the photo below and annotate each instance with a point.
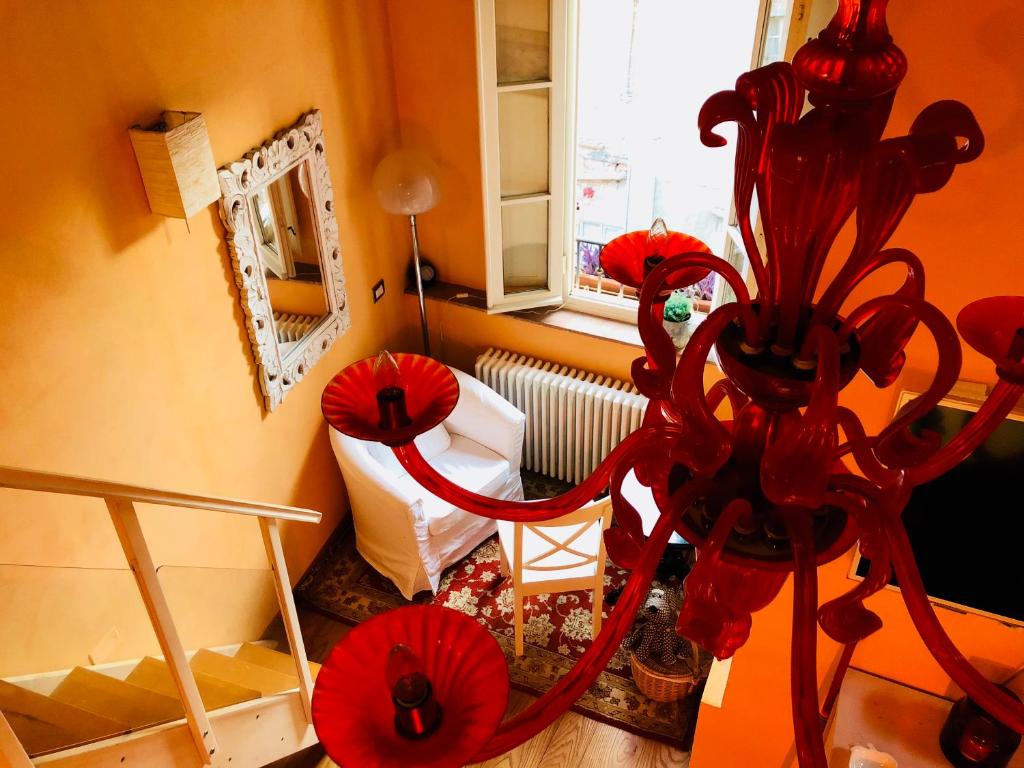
(280, 370)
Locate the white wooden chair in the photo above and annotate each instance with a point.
(561, 555)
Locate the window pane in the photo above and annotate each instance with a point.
(644, 70)
(523, 40)
(523, 142)
(524, 246)
(776, 27)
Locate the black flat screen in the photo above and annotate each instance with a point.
(967, 527)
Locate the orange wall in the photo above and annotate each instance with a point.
(971, 57)
(125, 351)
(435, 79)
(960, 235)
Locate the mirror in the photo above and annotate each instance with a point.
(277, 206)
(286, 237)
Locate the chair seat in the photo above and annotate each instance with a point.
(534, 546)
(468, 464)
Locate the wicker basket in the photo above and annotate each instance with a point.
(661, 683)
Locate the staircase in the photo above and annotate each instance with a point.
(54, 712)
(235, 706)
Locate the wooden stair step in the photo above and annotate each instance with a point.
(155, 675)
(232, 670)
(271, 659)
(107, 696)
(46, 725)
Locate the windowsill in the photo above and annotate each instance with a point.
(553, 317)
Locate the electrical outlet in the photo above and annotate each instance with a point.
(378, 290)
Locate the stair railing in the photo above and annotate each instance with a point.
(120, 500)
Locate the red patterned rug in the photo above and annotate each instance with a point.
(557, 629)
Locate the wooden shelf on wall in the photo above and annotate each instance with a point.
(452, 292)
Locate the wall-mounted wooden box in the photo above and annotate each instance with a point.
(177, 164)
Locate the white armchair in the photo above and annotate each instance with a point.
(403, 530)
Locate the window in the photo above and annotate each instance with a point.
(521, 53)
(589, 130)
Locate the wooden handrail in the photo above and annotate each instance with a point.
(120, 499)
(133, 543)
(32, 480)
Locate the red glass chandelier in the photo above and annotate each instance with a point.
(775, 490)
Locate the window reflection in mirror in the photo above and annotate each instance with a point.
(287, 236)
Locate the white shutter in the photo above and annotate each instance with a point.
(521, 75)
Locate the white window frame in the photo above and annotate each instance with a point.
(563, 25)
(489, 91)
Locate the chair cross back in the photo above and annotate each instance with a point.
(585, 558)
(543, 543)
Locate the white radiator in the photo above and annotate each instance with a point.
(573, 418)
(291, 327)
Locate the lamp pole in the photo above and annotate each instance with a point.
(419, 286)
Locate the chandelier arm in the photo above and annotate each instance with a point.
(895, 172)
(997, 406)
(986, 694)
(859, 445)
(895, 444)
(848, 279)
(653, 373)
(625, 513)
(708, 444)
(654, 285)
(810, 749)
(624, 543)
(845, 619)
(654, 438)
(722, 389)
(836, 684)
(777, 98)
(560, 697)
(762, 280)
(675, 504)
(731, 106)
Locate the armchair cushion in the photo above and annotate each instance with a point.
(487, 418)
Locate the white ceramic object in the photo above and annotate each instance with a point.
(869, 757)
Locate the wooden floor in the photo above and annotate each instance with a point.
(572, 741)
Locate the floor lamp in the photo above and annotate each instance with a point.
(406, 182)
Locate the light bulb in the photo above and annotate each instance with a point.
(658, 231)
(390, 393)
(386, 372)
(657, 239)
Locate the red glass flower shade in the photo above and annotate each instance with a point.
(353, 712)
(993, 326)
(629, 257)
(792, 479)
(350, 402)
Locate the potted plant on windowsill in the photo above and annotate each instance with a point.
(680, 318)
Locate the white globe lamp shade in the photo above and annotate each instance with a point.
(407, 183)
